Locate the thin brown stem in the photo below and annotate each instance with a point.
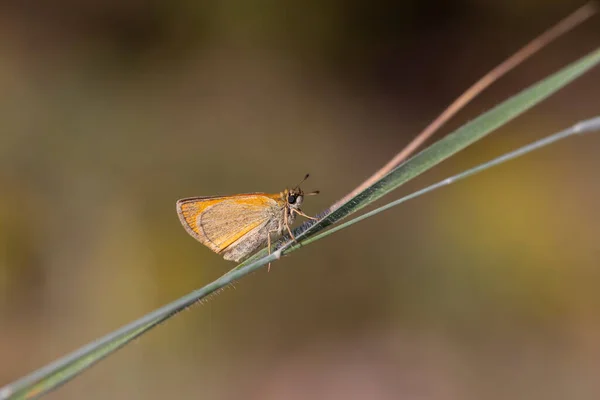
(524, 53)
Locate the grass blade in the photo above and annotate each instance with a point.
(446, 147)
(586, 126)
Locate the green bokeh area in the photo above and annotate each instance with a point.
(111, 111)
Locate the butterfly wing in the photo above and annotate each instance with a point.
(218, 222)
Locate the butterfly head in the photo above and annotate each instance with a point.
(295, 196)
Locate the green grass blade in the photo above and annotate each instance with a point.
(589, 125)
(64, 369)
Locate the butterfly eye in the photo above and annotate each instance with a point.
(291, 199)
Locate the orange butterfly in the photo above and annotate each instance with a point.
(237, 226)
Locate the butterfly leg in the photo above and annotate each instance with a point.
(269, 245)
(304, 215)
(287, 225)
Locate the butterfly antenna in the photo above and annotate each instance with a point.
(302, 181)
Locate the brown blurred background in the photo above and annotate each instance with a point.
(112, 110)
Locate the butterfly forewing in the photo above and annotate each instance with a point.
(219, 222)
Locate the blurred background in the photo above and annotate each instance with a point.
(112, 110)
